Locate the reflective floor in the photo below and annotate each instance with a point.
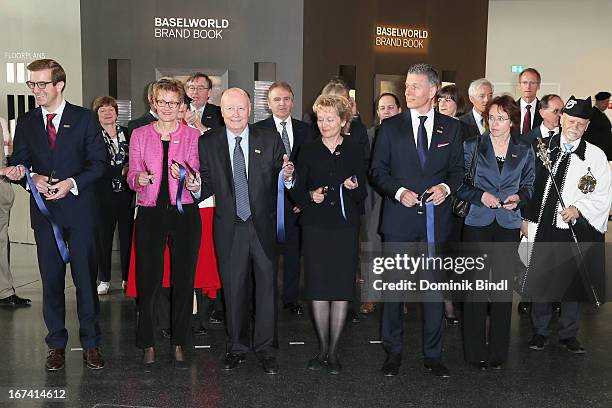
(549, 378)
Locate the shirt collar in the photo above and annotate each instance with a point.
(278, 121)
(59, 111)
(545, 131)
(153, 113)
(574, 144)
(193, 108)
(244, 135)
(477, 116)
(415, 116)
(524, 103)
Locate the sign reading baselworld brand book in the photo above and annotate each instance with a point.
(190, 27)
(401, 38)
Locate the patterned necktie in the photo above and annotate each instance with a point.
(422, 141)
(285, 138)
(241, 185)
(485, 128)
(527, 120)
(51, 131)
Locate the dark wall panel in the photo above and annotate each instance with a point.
(342, 32)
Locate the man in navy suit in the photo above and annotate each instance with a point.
(417, 151)
(202, 114)
(293, 133)
(529, 83)
(63, 140)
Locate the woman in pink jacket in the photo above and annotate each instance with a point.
(166, 210)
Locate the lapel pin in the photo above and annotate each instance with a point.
(443, 144)
(175, 141)
(439, 130)
(514, 155)
(66, 126)
(257, 151)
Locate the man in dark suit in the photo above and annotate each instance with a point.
(148, 117)
(599, 131)
(201, 114)
(417, 151)
(529, 83)
(293, 133)
(550, 109)
(62, 139)
(240, 165)
(480, 92)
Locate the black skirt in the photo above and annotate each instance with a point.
(330, 262)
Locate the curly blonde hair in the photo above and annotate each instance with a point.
(340, 104)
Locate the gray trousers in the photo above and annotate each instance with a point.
(6, 278)
(541, 314)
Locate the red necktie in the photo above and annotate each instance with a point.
(527, 120)
(51, 131)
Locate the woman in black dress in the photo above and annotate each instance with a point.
(330, 189)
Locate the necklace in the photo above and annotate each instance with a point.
(335, 143)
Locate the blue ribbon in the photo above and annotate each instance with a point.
(354, 180)
(40, 203)
(431, 230)
(179, 190)
(280, 207)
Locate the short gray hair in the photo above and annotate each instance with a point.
(473, 89)
(426, 69)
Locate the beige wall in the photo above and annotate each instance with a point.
(570, 44)
(32, 29)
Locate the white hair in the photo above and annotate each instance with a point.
(473, 89)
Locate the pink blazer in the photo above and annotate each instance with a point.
(146, 154)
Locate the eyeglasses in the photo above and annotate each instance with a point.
(170, 104)
(197, 88)
(40, 85)
(447, 100)
(497, 118)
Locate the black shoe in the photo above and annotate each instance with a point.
(294, 308)
(354, 316)
(315, 364)
(438, 369)
(269, 365)
(556, 307)
(538, 342)
(524, 308)
(392, 364)
(15, 300)
(166, 333)
(333, 366)
(232, 361)
(481, 365)
(217, 317)
(199, 330)
(572, 345)
(496, 366)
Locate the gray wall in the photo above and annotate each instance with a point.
(269, 31)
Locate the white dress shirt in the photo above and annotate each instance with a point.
(479, 121)
(546, 131)
(533, 108)
(56, 122)
(288, 126)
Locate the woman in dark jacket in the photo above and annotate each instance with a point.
(330, 190)
(502, 185)
(114, 195)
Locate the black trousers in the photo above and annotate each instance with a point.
(153, 227)
(291, 257)
(248, 255)
(501, 263)
(115, 210)
(82, 244)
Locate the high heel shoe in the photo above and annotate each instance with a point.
(451, 321)
(333, 365)
(317, 363)
(148, 358)
(179, 358)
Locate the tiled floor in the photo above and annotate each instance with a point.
(550, 378)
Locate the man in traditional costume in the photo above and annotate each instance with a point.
(568, 209)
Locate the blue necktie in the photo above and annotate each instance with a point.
(241, 186)
(422, 142)
(568, 147)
